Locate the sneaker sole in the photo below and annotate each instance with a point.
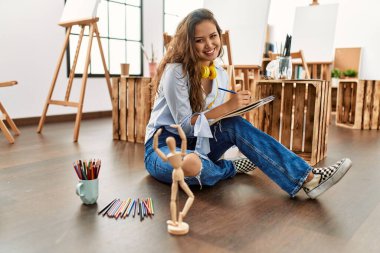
(341, 171)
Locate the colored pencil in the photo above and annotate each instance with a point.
(151, 202)
(117, 214)
(230, 91)
(141, 211)
(107, 206)
(134, 212)
(147, 208)
(126, 208)
(130, 209)
(112, 211)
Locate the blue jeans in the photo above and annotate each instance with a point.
(280, 164)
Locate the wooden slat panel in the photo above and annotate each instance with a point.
(376, 105)
(277, 90)
(359, 104)
(347, 102)
(298, 117)
(354, 88)
(268, 111)
(321, 121)
(146, 101)
(328, 113)
(256, 112)
(115, 108)
(367, 105)
(139, 124)
(315, 71)
(339, 103)
(252, 89)
(316, 128)
(123, 109)
(261, 122)
(287, 114)
(131, 110)
(310, 110)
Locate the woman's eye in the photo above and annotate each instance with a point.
(198, 41)
(214, 36)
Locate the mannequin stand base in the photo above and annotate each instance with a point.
(180, 229)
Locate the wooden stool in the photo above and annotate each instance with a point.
(358, 104)
(5, 116)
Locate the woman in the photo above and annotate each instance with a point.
(188, 82)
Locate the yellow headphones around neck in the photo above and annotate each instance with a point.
(208, 72)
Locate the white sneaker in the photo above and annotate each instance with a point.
(328, 176)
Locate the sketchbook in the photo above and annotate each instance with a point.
(244, 109)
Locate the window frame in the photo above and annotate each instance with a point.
(107, 36)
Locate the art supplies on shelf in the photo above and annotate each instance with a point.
(87, 170)
(122, 209)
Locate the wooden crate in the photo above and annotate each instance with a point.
(131, 107)
(298, 117)
(358, 104)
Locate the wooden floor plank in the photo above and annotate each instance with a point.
(40, 211)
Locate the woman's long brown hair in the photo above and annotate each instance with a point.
(181, 49)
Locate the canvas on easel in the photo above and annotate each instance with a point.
(79, 10)
(83, 14)
(314, 32)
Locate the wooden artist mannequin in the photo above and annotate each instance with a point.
(176, 227)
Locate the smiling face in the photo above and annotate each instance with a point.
(207, 42)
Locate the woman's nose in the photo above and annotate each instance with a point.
(208, 43)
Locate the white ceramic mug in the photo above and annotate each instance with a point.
(88, 191)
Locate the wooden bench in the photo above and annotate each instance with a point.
(358, 104)
(298, 117)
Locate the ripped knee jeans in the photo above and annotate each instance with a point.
(210, 173)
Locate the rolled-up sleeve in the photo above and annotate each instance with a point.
(176, 91)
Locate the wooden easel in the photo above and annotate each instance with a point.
(92, 23)
(5, 116)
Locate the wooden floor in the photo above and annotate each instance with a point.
(40, 212)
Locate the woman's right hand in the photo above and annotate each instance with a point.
(239, 99)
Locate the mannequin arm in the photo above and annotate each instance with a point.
(183, 138)
(155, 145)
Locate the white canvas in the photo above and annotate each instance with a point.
(314, 32)
(246, 20)
(79, 10)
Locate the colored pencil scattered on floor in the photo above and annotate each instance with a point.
(123, 208)
(87, 170)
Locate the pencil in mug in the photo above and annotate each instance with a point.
(76, 171)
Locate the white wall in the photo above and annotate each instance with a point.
(30, 44)
(357, 26)
(153, 21)
(247, 28)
